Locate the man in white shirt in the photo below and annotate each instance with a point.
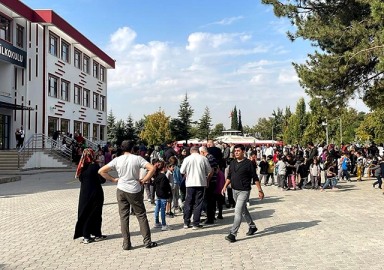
(269, 150)
(197, 168)
(129, 191)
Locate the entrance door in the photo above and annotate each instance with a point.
(4, 131)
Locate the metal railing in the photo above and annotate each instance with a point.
(89, 143)
(43, 143)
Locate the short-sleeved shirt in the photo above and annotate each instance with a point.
(128, 168)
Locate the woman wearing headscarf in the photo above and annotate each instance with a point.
(91, 199)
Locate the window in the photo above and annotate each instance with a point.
(77, 126)
(77, 58)
(53, 44)
(20, 36)
(52, 86)
(64, 126)
(5, 28)
(64, 51)
(52, 125)
(102, 74)
(86, 64)
(95, 69)
(77, 95)
(95, 130)
(86, 98)
(64, 90)
(102, 103)
(95, 101)
(102, 128)
(86, 130)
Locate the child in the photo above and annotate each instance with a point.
(176, 181)
(271, 167)
(264, 170)
(303, 172)
(314, 171)
(163, 193)
(100, 159)
(282, 172)
(331, 175)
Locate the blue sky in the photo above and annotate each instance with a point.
(223, 53)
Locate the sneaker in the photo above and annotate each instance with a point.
(231, 238)
(251, 231)
(157, 225)
(149, 200)
(220, 217)
(186, 226)
(203, 214)
(197, 227)
(165, 228)
(87, 240)
(248, 204)
(151, 245)
(100, 238)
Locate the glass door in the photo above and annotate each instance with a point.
(4, 132)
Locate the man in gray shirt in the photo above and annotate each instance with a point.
(197, 169)
(129, 191)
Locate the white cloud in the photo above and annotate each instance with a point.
(225, 21)
(212, 68)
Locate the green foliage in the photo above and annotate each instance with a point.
(119, 132)
(182, 126)
(204, 125)
(234, 120)
(111, 122)
(130, 132)
(240, 125)
(372, 127)
(157, 129)
(217, 131)
(349, 37)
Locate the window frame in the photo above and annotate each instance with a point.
(102, 73)
(50, 76)
(54, 37)
(8, 32)
(79, 95)
(102, 103)
(88, 99)
(97, 65)
(96, 100)
(19, 43)
(64, 43)
(88, 60)
(67, 90)
(77, 52)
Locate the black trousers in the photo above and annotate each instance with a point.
(193, 204)
(210, 199)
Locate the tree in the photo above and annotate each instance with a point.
(264, 128)
(157, 129)
(371, 129)
(111, 124)
(119, 132)
(349, 36)
(278, 120)
(234, 120)
(183, 126)
(139, 127)
(217, 131)
(205, 125)
(240, 125)
(130, 129)
(299, 122)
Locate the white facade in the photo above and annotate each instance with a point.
(54, 69)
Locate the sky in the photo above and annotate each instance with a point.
(221, 53)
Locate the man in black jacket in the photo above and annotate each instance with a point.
(241, 173)
(169, 151)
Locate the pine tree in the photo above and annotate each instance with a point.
(240, 126)
(205, 125)
(139, 127)
(119, 132)
(234, 120)
(111, 126)
(130, 129)
(183, 126)
(299, 122)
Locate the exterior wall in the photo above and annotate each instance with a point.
(29, 86)
(68, 110)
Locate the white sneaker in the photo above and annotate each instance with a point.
(157, 225)
(248, 204)
(149, 200)
(165, 228)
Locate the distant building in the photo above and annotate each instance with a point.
(51, 76)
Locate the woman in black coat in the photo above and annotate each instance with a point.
(91, 199)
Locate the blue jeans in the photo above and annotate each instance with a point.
(160, 203)
(334, 182)
(241, 210)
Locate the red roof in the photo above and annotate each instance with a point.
(49, 16)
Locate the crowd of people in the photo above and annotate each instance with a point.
(198, 180)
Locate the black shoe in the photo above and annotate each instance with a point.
(208, 222)
(251, 231)
(231, 238)
(170, 214)
(127, 247)
(151, 245)
(220, 217)
(100, 238)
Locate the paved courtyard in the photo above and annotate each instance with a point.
(297, 230)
